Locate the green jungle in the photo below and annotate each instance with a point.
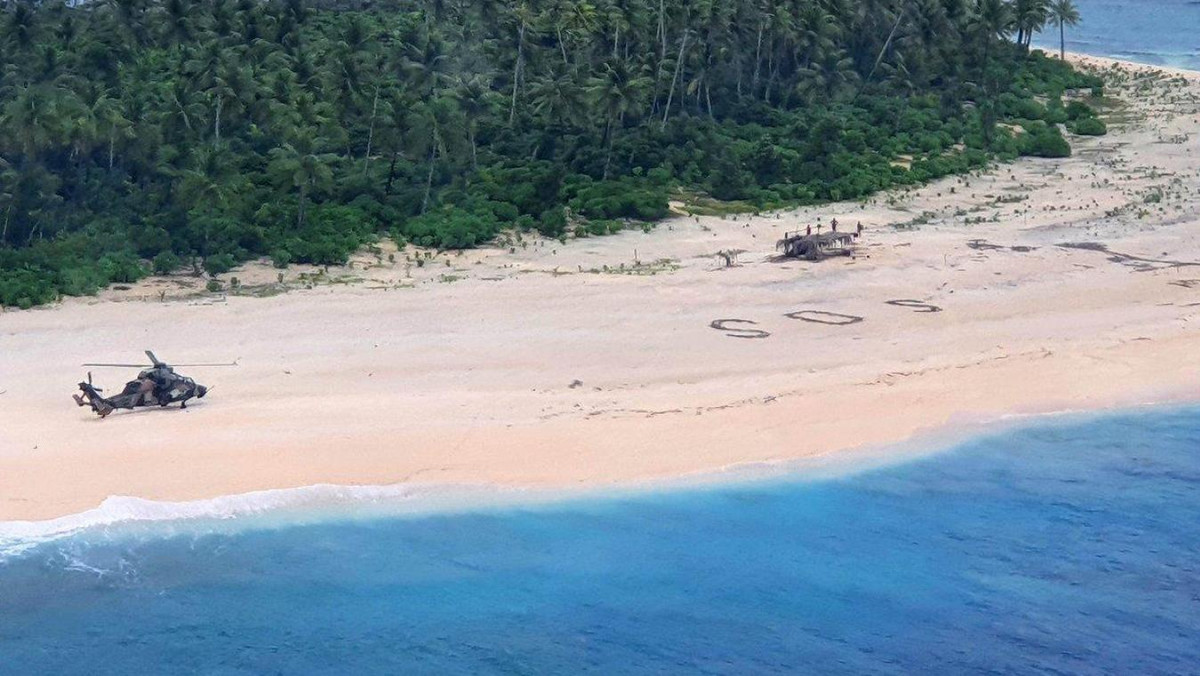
(155, 136)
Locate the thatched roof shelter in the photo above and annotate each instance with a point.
(816, 247)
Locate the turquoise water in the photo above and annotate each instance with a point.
(1157, 32)
(1060, 548)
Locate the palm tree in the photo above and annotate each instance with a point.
(35, 118)
(109, 118)
(1063, 13)
(1029, 17)
(8, 178)
(616, 92)
(523, 16)
(474, 100)
(299, 164)
(992, 20)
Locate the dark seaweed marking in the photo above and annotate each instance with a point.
(916, 305)
(734, 332)
(984, 245)
(822, 317)
(1140, 263)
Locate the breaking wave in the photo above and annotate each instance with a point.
(120, 516)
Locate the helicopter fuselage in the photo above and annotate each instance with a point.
(155, 387)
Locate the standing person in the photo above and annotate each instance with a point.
(810, 230)
(833, 225)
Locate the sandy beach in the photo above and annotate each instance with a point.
(1039, 286)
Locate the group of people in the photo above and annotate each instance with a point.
(833, 226)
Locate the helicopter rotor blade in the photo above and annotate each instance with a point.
(154, 360)
(235, 362)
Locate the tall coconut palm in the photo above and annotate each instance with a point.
(992, 20)
(1063, 13)
(300, 165)
(1029, 17)
(619, 90)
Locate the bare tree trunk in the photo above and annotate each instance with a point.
(1062, 42)
(512, 112)
(429, 177)
(772, 71)
(562, 46)
(757, 60)
(299, 211)
(738, 83)
(662, 32)
(217, 122)
(474, 147)
(112, 141)
(371, 131)
(387, 189)
(610, 133)
(886, 44)
(662, 52)
(674, 78)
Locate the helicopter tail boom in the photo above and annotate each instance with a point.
(91, 397)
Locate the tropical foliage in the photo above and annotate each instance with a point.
(140, 135)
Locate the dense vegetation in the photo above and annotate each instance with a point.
(140, 135)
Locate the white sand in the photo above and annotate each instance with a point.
(463, 373)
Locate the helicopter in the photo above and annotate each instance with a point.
(158, 385)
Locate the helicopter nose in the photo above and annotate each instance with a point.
(201, 391)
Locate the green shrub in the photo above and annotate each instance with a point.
(281, 258)
(1045, 142)
(1088, 126)
(123, 267)
(219, 264)
(451, 228)
(25, 288)
(552, 222)
(330, 234)
(165, 263)
(1078, 110)
(639, 198)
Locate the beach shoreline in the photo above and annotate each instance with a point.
(1039, 286)
(127, 517)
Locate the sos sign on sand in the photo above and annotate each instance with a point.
(744, 328)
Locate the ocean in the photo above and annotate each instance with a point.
(1065, 546)
(1156, 32)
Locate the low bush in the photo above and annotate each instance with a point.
(1088, 126)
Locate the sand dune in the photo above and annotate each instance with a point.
(1041, 285)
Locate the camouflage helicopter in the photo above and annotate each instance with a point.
(158, 385)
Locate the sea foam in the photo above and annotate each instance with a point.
(293, 505)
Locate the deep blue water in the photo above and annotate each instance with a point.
(1068, 548)
(1158, 32)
